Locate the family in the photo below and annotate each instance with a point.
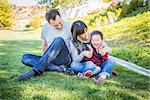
(70, 48)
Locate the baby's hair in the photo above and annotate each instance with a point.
(96, 32)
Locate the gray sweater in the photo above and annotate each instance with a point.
(78, 49)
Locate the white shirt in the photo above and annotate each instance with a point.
(49, 33)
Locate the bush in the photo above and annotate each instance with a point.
(129, 8)
(36, 22)
(6, 14)
(134, 53)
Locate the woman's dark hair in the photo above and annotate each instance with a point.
(96, 32)
(78, 28)
(51, 14)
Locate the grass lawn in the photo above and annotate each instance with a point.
(128, 85)
(58, 86)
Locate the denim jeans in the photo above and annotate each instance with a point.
(84, 66)
(56, 54)
(106, 67)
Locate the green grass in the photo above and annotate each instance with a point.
(58, 86)
(130, 39)
(128, 85)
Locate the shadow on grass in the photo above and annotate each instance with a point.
(10, 66)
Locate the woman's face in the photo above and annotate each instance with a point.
(85, 35)
(96, 41)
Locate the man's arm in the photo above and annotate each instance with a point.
(44, 46)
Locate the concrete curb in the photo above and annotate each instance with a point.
(131, 66)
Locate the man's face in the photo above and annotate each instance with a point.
(56, 23)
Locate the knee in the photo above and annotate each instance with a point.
(73, 65)
(76, 67)
(111, 61)
(59, 40)
(24, 55)
(25, 58)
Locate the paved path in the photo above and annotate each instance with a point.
(131, 66)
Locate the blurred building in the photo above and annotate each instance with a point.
(24, 11)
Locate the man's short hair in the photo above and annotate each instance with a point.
(51, 14)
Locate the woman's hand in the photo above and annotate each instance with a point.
(87, 54)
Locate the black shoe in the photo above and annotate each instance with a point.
(69, 71)
(26, 75)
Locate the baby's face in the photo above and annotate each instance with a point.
(96, 41)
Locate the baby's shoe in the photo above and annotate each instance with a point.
(80, 75)
(88, 74)
(100, 80)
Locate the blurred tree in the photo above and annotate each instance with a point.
(6, 14)
(55, 3)
(35, 22)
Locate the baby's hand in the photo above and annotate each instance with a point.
(102, 50)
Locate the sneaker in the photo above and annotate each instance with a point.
(62, 68)
(88, 74)
(80, 75)
(69, 71)
(95, 78)
(100, 80)
(114, 74)
(26, 75)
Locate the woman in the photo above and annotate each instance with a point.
(81, 38)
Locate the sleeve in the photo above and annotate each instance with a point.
(105, 56)
(107, 48)
(74, 53)
(86, 58)
(43, 33)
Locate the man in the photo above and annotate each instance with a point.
(56, 36)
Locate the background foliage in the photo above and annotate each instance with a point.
(6, 14)
(129, 38)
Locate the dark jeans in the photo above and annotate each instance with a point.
(56, 54)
